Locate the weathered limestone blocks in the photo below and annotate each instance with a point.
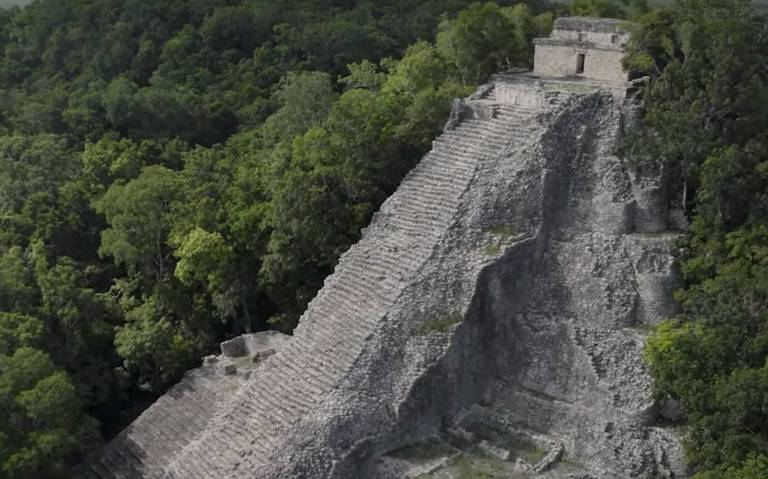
(234, 348)
(253, 344)
(570, 363)
(613, 205)
(472, 109)
(614, 217)
(583, 47)
(164, 429)
(657, 275)
(652, 205)
(550, 459)
(530, 93)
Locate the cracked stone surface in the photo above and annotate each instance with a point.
(506, 283)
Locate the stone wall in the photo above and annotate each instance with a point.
(554, 58)
(606, 32)
(591, 48)
(604, 39)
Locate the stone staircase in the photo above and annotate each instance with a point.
(164, 428)
(367, 281)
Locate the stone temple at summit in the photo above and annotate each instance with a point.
(490, 322)
(585, 47)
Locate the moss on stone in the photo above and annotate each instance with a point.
(423, 451)
(520, 447)
(441, 324)
(504, 230)
(466, 469)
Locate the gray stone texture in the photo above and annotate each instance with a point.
(601, 41)
(502, 284)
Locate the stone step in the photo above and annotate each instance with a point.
(102, 471)
(442, 172)
(430, 197)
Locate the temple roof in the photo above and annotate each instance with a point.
(591, 24)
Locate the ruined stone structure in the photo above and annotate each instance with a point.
(490, 319)
(583, 47)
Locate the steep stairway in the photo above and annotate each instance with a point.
(364, 286)
(164, 428)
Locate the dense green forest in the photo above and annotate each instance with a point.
(706, 130)
(177, 172)
(173, 173)
(13, 3)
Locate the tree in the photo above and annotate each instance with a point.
(152, 346)
(26, 163)
(479, 41)
(43, 425)
(17, 288)
(609, 8)
(305, 98)
(702, 128)
(139, 217)
(18, 330)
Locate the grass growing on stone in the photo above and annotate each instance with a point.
(440, 325)
(475, 466)
(466, 469)
(518, 446)
(568, 466)
(500, 231)
(423, 451)
(504, 230)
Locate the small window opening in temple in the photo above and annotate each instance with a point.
(582, 37)
(580, 64)
(614, 39)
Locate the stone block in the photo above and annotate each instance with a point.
(613, 217)
(550, 459)
(482, 109)
(460, 434)
(521, 466)
(234, 348)
(229, 369)
(266, 353)
(656, 300)
(210, 360)
(651, 208)
(257, 342)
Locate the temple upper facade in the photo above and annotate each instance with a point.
(585, 47)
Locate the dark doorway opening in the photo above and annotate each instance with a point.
(580, 64)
